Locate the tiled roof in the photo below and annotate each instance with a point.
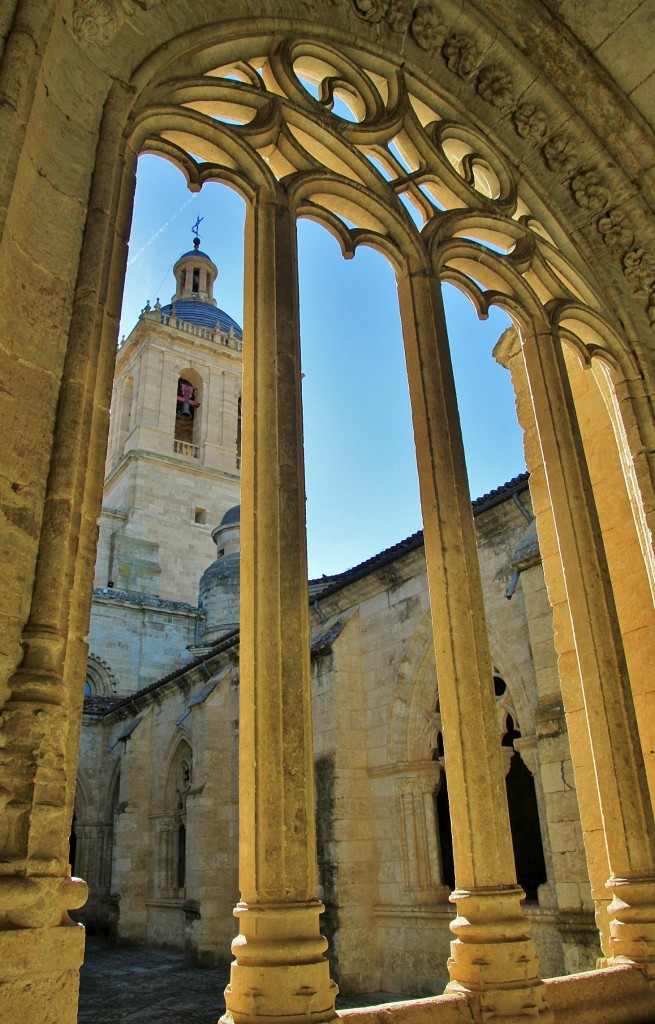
(204, 314)
(231, 640)
(331, 584)
(95, 704)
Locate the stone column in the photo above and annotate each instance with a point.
(280, 971)
(421, 854)
(567, 746)
(40, 947)
(493, 958)
(626, 808)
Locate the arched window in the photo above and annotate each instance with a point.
(99, 678)
(444, 828)
(524, 823)
(188, 416)
(186, 410)
(521, 799)
(172, 826)
(183, 780)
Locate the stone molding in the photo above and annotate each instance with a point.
(560, 150)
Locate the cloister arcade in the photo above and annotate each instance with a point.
(421, 168)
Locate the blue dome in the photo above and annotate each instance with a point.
(195, 252)
(233, 515)
(205, 315)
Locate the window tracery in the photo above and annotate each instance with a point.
(521, 797)
(172, 824)
(271, 121)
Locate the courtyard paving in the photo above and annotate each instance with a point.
(153, 986)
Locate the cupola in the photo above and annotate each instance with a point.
(195, 274)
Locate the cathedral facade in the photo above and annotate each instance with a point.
(156, 816)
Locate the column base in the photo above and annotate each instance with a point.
(493, 961)
(280, 973)
(39, 973)
(631, 914)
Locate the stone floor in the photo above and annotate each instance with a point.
(153, 986)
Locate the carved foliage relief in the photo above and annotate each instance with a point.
(98, 21)
(560, 150)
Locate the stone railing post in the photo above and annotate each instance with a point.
(492, 956)
(280, 971)
(609, 715)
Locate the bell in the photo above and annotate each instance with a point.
(185, 412)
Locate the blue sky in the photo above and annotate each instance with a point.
(362, 489)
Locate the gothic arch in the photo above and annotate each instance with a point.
(82, 790)
(411, 722)
(171, 820)
(180, 749)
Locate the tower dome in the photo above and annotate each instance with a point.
(195, 276)
(219, 584)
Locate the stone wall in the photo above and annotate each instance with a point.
(141, 638)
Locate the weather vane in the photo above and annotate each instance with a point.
(196, 230)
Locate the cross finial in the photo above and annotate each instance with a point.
(196, 229)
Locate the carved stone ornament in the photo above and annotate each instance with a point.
(98, 21)
(531, 122)
(399, 15)
(371, 10)
(495, 86)
(617, 230)
(461, 55)
(560, 153)
(95, 21)
(589, 193)
(427, 27)
(639, 269)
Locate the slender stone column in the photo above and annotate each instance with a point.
(493, 958)
(280, 970)
(573, 738)
(625, 803)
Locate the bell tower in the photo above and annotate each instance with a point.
(173, 457)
